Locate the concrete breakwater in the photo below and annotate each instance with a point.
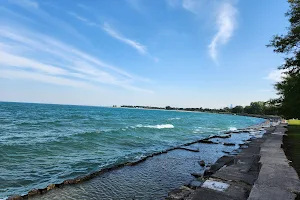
(189, 147)
(260, 171)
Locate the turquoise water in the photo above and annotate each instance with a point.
(42, 144)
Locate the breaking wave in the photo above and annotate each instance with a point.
(232, 128)
(174, 118)
(161, 126)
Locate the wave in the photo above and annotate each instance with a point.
(161, 126)
(174, 118)
(201, 129)
(97, 132)
(232, 128)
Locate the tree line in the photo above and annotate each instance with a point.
(255, 108)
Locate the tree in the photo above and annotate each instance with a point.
(238, 109)
(289, 44)
(168, 107)
(257, 107)
(271, 107)
(248, 109)
(289, 90)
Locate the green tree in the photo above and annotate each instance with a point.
(289, 90)
(238, 109)
(226, 109)
(257, 107)
(248, 109)
(289, 44)
(271, 107)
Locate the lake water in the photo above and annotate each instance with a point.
(42, 144)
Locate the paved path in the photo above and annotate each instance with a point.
(277, 179)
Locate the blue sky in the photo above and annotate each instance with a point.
(185, 53)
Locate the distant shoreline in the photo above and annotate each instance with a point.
(199, 111)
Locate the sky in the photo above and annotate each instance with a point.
(182, 53)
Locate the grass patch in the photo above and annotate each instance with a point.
(292, 146)
(294, 122)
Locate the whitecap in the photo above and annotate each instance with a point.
(174, 118)
(160, 126)
(232, 128)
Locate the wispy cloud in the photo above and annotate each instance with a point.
(276, 75)
(142, 49)
(226, 23)
(14, 15)
(80, 18)
(49, 60)
(139, 47)
(26, 53)
(224, 13)
(193, 6)
(44, 78)
(84, 7)
(51, 20)
(8, 59)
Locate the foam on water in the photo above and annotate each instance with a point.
(160, 126)
(174, 118)
(232, 128)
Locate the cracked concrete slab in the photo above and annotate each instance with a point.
(277, 180)
(259, 172)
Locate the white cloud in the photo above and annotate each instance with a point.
(46, 18)
(80, 18)
(276, 75)
(139, 47)
(142, 49)
(193, 6)
(222, 11)
(8, 59)
(196, 7)
(25, 75)
(84, 7)
(72, 68)
(226, 23)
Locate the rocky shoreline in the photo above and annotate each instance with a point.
(208, 140)
(259, 171)
(249, 149)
